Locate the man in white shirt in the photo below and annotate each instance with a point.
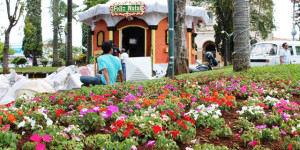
(285, 55)
(124, 57)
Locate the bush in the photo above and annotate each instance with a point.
(61, 62)
(44, 61)
(18, 61)
(1, 58)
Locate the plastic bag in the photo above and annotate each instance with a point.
(84, 71)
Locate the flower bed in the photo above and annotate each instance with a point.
(257, 109)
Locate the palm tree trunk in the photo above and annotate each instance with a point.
(241, 25)
(69, 43)
(5, 51)
(180, 49)
(55, 32)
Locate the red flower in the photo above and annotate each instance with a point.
(295, 133)
(290, 147)
(125, 133)
(180, 123)
(187, 118)
(193, 121)
(156, 129)
(130, 126)
(263, 105)
(120, 123)
(207, 131)
(114, 92)
(60, 101)
(137, 132)
(114, 130)
(59, 112)
(174, 133)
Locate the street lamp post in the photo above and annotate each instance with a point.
(228, 44)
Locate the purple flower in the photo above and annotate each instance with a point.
(103, 115)
(129, 97)
(92, 94)
(274, 126)
(261, 127)
(150, 143)
(84, 111)
(45, 111)
(113, 108)
(138, 106)
(52, 97)
(124, 116)
(133, 147)
(81, 116)
(138, 94)
(108, 113)
(282, 132)
(71, 106)
(194, 99)
(140, 87)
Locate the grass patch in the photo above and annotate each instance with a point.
(33, 69)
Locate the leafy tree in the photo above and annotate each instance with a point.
(44, 61)
(261, 14)
(86, 30)
(32, 41)
(13, 20)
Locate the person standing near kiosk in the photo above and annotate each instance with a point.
(124, 57)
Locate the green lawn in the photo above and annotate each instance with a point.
(33, 69)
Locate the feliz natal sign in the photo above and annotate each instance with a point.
(127, 9)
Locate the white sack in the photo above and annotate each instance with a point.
(30, 87)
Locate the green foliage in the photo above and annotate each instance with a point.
(19, 60)
(10, 52)
(32, 41)
(9, 139)
(261, 21)
(210, 147)
(44, 61)
(85, 28)
(167, 144)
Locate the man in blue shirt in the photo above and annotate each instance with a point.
(109, 65)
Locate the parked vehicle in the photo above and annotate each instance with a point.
(267, 53)
(206, 67)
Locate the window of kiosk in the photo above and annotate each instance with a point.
(291, 50)
(297, 50)
(100, 38)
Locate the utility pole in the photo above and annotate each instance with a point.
(171, 39)
(294, 32)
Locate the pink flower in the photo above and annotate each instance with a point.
(150, 143)
(250, 93)
(280, 110)
(253, 143)
(36, 138)
(6, 127)
(114, 92)
(287, 107)
(40, 146)
(283, 132)
(47, 138)
(261, 127)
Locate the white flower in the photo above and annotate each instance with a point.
(193, 141)
(188, 148)
(293, 129)
(153, 115)
(151, 122)
(21, 124)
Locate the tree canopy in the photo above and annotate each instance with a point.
(32, 41)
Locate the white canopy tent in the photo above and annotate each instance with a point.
(156, 10)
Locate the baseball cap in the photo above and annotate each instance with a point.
(106, 46)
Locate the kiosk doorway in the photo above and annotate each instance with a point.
(133, 41)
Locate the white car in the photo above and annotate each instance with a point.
(267, 53)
